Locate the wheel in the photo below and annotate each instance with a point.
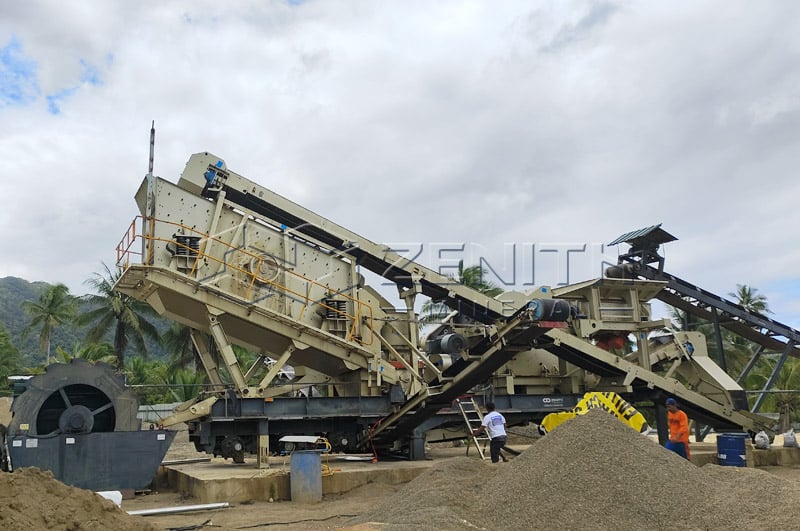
(78, 397)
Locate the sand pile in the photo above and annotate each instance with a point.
(592, 472)
(33, 500)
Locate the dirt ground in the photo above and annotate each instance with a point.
(331, 513)
(334, 512)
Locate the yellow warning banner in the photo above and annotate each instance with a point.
(611, 402)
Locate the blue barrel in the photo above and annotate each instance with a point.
(306, 476)
(731, 449)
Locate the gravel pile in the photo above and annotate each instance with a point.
(592, 472)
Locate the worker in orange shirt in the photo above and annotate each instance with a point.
(678, 430)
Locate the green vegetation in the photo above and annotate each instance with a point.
(42, 323)
(96, 352)
(10, 358)
(55, 307)
(750, 300)
(110, 311)
(15, 291)
(472, 277)
(781, 397)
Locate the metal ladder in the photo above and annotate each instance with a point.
(473, 418)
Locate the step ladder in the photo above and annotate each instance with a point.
(473, 417)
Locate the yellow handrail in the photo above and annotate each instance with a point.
(124, 252)
(124, 245)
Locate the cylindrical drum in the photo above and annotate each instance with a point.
(731, 449)
(306, 476)
(452, 343)
(549, 309)
(442, 361)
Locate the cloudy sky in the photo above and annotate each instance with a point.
(506, 131)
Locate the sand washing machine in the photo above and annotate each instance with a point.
(78, 420)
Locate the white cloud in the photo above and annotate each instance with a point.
(481, 122)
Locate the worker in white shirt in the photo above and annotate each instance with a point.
(494, 424)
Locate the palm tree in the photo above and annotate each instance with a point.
(178, 343)
(55, 307)
(184, 384)
(783, 402)
(139, 372)
(741, 348)
(102, 352)
(472, 277)
(111, 309)
(683, 320)
(738, 350)
(147, 378)
(747, 298)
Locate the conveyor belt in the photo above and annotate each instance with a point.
(760, 329)
(643, 382)
(373, 257)
(483, 359)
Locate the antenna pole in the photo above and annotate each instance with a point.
(152, 146)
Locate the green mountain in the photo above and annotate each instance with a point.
(13, 291)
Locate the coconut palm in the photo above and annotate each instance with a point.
(147, 378)
(783, 402)
(177, 341)
(683, 320)
(102, 352)
(139, 371)
(747, 297)
(111, 310)
(184, 384)
(738, 350)
(472, 277)
(55, 307)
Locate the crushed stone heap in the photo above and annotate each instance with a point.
(594, 473)
(33, 500)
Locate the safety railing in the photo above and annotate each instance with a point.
(124, 247)
(126, 250)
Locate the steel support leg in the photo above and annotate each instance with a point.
(226, 349)
(750, 364)
(723, 362)
(203, 352)
(773, 376)
(416, 446)
(263, 444)
(661, 423)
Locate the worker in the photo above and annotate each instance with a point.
(678, 424)
(494, 424)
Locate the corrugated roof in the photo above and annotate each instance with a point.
(654, 234)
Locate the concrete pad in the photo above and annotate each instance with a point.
(704, 453)
(222, 481)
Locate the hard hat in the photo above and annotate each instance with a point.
(671, 402)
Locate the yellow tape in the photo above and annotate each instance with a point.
(611, 402)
